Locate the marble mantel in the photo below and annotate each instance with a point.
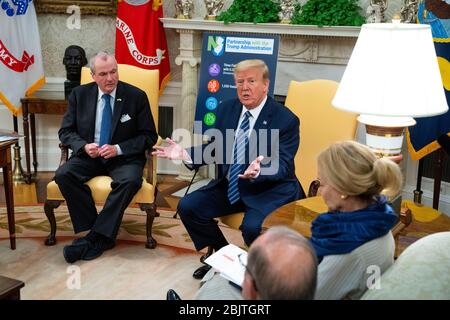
(267, 28)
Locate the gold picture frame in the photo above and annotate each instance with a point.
(94, 7)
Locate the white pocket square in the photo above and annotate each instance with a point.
(124, 118)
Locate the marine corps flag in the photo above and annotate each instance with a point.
(140, 37)
(21, 70)
(429, 134)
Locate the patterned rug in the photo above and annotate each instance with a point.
(32, 222)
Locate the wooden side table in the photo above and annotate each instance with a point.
(42, 104)
(5, 164)
(10, 288)
(297, 215)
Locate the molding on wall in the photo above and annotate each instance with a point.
(98, 7)
(53, 84)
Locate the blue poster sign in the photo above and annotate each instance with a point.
(220, 53)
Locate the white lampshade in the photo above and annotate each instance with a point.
(393, 71)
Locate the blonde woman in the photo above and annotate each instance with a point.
(353, 240)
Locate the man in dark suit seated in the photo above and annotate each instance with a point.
(257, 174)
(108, 125)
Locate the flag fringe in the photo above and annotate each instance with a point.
(16, 111)
(426, 150)
(35, 86)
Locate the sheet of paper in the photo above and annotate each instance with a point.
(3, 138)
(7, 135)
(226, 261)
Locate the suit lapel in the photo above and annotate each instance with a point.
(265, 116)
(233, 121)
(91, 109)
(262, 123)
(120, 98)
(230, 123)
(235, 115)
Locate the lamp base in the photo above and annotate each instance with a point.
(384, 135)
(385, 142)
(17, 171)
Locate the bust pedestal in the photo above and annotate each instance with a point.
(69, 86)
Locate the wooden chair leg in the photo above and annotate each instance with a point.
(49, 207)
(405, 219)
(150, 209)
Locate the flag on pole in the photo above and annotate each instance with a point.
(21, 69)
(422, 138)
(140, 37)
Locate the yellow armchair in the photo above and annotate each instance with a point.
(147, 80)
(321, 125)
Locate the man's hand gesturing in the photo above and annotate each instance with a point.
(253, 169)
(172, 152)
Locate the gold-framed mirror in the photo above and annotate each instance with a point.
(96, 7)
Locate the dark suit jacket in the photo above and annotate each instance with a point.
(133, 136)
(278, 126)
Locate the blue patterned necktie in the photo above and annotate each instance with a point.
(105, 130)
(237, 167)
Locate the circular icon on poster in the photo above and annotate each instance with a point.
(213, 85)
(209, 119)
(214, 70)
(211, 103)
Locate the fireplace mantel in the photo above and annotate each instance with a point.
(265, 28)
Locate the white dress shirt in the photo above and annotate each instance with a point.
(252, 120)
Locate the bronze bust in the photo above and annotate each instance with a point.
(74, 59)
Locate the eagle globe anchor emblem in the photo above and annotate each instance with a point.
(14, 7)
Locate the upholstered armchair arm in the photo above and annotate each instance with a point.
(150, 169)
(64, 154)
(405, 219)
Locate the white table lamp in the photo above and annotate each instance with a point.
(392, 76)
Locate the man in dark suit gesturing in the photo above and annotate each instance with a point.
(108, 125)
(257, 173)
